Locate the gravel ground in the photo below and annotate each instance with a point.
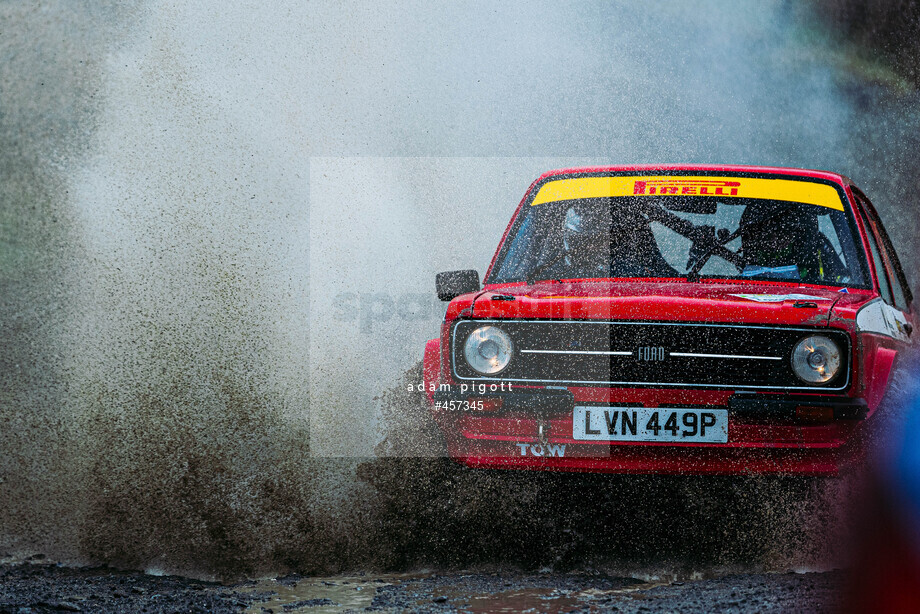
(38, 587)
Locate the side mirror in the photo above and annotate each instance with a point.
(454, 283)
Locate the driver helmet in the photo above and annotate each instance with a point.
(586, 234)
(777, 237)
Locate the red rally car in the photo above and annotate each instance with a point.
(673, 319)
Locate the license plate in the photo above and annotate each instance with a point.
(650, 424)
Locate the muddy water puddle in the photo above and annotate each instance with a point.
(555, 593)
(476, 593)
(317, 595)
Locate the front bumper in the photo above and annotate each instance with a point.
(783, 408)
(767, 434)
(755, 406)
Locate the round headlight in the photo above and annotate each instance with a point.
(816, 359)
(488, 349)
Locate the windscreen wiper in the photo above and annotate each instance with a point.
(532, 276)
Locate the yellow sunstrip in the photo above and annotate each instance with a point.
(791, 190)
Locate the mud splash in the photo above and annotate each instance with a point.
(432, 513)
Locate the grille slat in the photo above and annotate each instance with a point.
(650, 353)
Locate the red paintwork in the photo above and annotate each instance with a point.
(491, 441)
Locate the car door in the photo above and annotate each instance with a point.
(886, 324)
(897, 294)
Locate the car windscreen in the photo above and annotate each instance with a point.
(676, 236)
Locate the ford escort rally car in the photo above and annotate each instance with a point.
(673, 319)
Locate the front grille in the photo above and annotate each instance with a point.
(650, 354)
